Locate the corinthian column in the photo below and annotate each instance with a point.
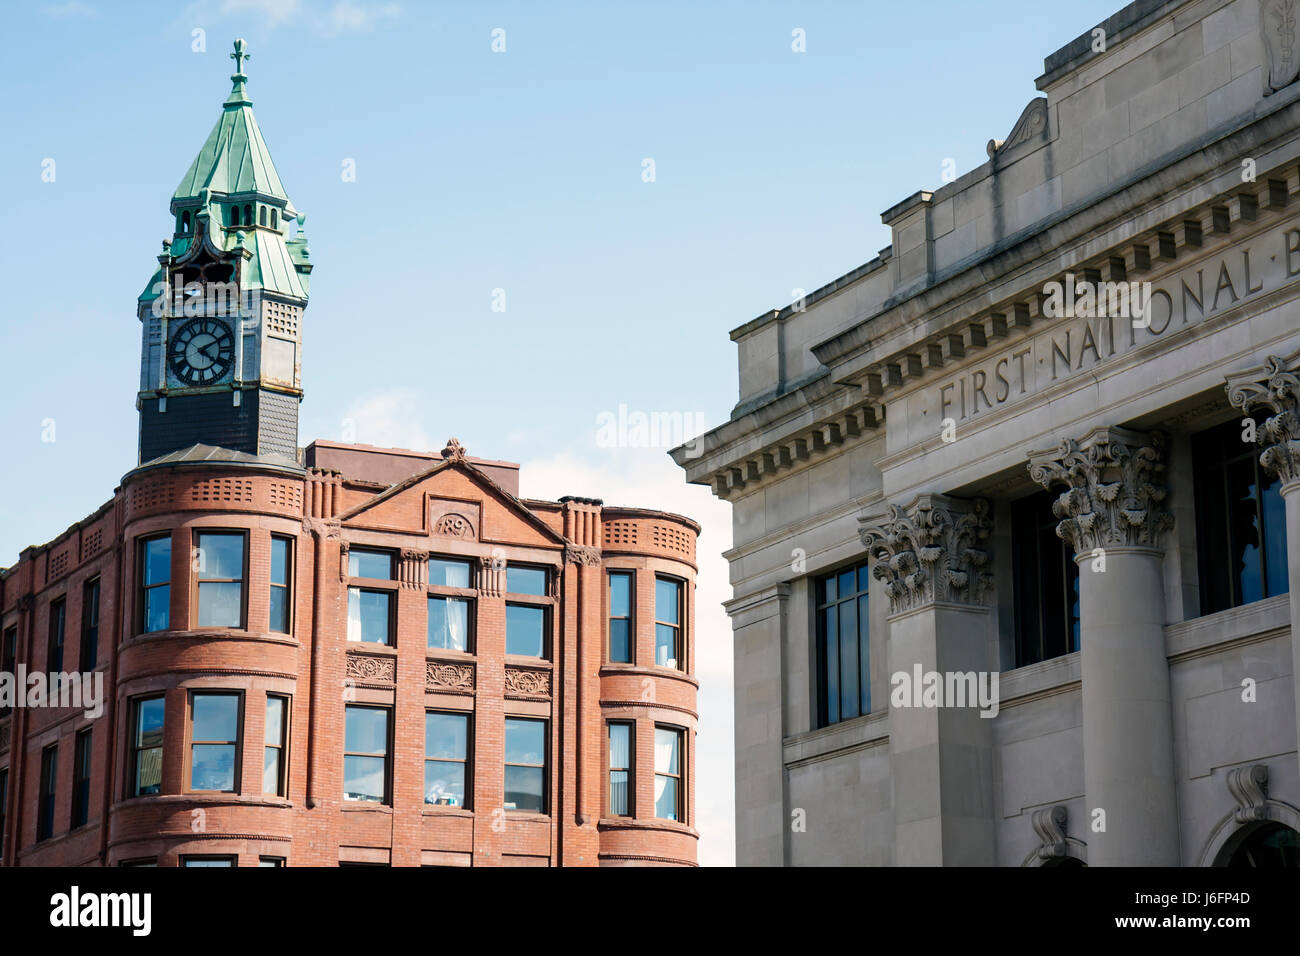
(1274, 387)
(932, 565)
(1111, 514)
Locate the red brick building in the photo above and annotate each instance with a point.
(339, 654)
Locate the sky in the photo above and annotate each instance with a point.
(534, 236)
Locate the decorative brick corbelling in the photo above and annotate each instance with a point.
(1274, 386)
(928, 552)
(1114, 494)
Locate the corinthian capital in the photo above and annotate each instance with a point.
(1273, 386)
(1114, 492)
(926, 553)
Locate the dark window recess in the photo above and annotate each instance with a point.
(843, 661)
(45, 799)
(1240, 520)
(90, 626)
(81, 780)
(58, 625)
(1046, 615)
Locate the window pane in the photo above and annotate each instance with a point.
(846, 583)
(667, 744)
(665, 645)
(526, 580)
(1275, 537)
(209, 861)
(525, 630)
(221, 556)
(366, 731)
(667, 603)
(620, 745)
(1244, 536)
(448, 574)
(666, 798)
(221, 605)
(280, 561)
(370, 564)
(620, 595)
(524, 788)
(525, 741)
(449, 623)
(618, 793)
(620, 642)
(212, 767)
(271, 770)
(446, 736)
(444, 783)
(280, 610)
(216, 717)
(848, 660)
(149, 723)
(274, 721)
(363, 778)
(157, 561)
(831, 664)
(368, 616)
(157, 608)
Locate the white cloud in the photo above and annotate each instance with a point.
(273, 12)
(393, 419)
(348, 16)
(70, 10)
(647, 478)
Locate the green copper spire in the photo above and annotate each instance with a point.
(235, 158)
(237, 96)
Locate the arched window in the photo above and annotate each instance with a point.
(248, 215)
(275, 219)
(1270, 846)
(185, 222)
(261, 217)
(234, 215)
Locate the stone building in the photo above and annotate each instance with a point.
(1016, 504)
(340, 654)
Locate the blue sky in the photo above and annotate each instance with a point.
(478, 171)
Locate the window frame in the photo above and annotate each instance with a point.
(47, 792)
(197, 581)
(392, 557)
(387, 800)
(860, 569)
(390, 638)
(191, 743)
(231, 860)
(467, 763)
(680, 776)
(444, 592)
(629, 771)
(8, 658)
(142, 578)
(610, 617)
(4, 808)
(83, 756)
(1031, 523)
(290, 547)
(1211, 464)
(134, 749)
(90, 614)
(679, 627)
(545, 765)
(57, 640)
(282, 781)
(547, 641)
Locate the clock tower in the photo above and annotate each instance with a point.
(221, 353)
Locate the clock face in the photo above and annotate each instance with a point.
(202, 351)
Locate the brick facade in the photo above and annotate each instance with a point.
(448, 506)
